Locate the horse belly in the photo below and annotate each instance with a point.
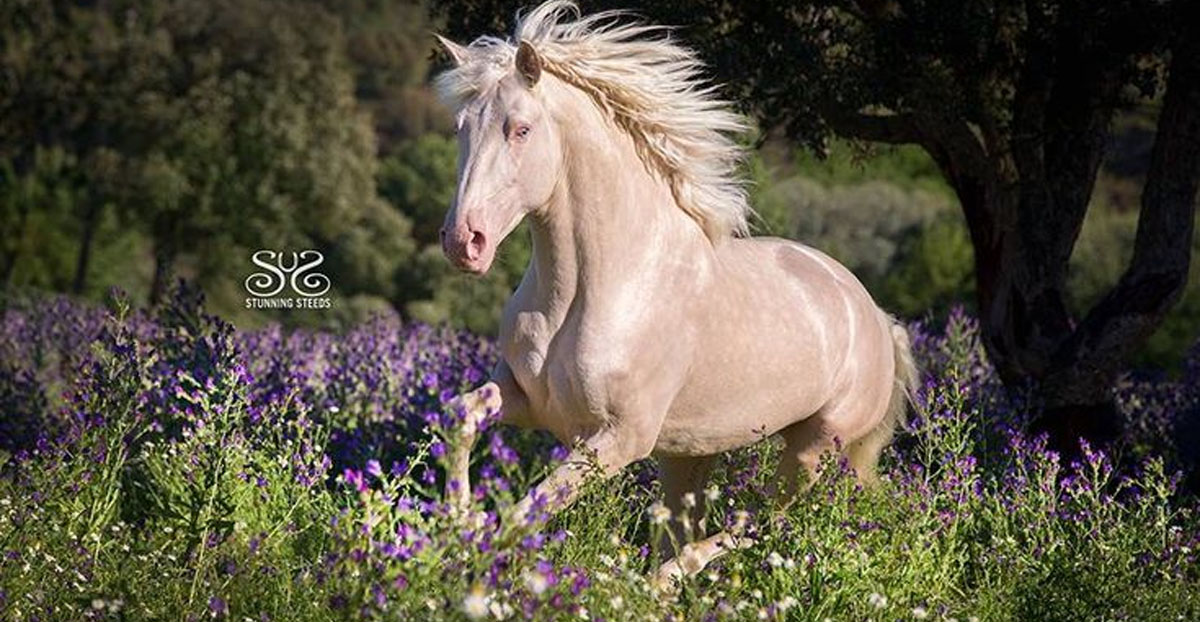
(719, 414)
(747, 385)
(773, 342)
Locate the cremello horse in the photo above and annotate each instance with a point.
(646, 323)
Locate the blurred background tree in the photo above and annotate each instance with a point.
(146, 139)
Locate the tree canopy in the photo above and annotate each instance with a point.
(205, 124)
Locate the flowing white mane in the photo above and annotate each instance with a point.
(652, 87)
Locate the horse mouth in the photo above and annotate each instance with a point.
(477, 267)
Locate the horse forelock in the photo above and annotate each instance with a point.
(651, 86)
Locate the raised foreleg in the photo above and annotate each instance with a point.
(500, 394)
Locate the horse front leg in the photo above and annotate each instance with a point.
(501, 394)
(605, 453)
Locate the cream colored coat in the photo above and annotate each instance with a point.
(642, 325)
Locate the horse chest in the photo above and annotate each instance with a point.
(542, 358)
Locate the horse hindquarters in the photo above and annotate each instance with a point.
(850, 423)
(864, 452)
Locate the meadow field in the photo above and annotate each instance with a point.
(175, 447)
(160, 465)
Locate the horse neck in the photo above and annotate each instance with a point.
(608, 216)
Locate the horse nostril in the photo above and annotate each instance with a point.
(476, 246)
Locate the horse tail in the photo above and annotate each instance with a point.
(907, 376)
(864, 453)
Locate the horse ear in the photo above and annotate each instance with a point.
(529, 64)
(457, 52)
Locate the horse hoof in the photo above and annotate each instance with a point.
(667, 578)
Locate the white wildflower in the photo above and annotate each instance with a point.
(712, 493)
(877, 600)
(920, 613)
(659, 513)
(689, 500)
(775, 559)
(501, 611)
(536, 582)
(741, 518)
(475, 605)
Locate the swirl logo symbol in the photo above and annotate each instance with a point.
(278, 273)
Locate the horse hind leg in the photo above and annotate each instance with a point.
(863, 454)
(695, 556)
(804, 444)
(683, 479)
(683, 476)
(804, 441)
(808, 441)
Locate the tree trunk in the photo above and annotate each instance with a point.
(1156, 275)
(1024, 190)
(91, 219)
(1023, 229)
(164, 260)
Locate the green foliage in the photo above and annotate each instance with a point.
(388, 44)
(772, 213)
(35, 250)
(188, 127)
(466, 301)
(264, 144)
(853, 163)
(419, 180)
(933, 269)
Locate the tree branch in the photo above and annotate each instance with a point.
(895, 129)
(1158, 271)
